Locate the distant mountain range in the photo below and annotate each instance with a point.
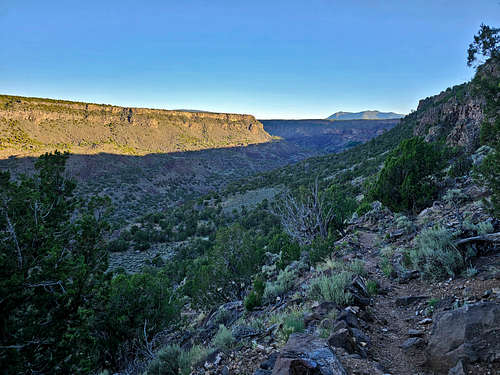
(364, 115)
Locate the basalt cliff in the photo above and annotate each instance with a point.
(35, 125)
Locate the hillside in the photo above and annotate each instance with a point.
(364, 115)
(35, 125)
(326, 136)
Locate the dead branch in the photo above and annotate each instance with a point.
(12, 232)
(47, 284)
(304, 219)
(492, 237)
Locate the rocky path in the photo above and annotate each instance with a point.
(403, 315)
(391, 332)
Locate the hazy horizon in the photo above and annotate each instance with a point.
(275, 61)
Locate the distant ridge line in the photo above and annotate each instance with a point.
(365, 115)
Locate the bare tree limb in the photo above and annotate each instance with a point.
(492, 237)
(47, 284)
(304, 219)
(12, 232)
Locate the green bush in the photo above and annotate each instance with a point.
(117, 245)
(52, 273)
(293, 323)
(223, 339)
(372, 287)
(490, 172)
(357, 267)
(254, 298)
(283, 245)
(363, 208)
(435, 255)
(405, 182)
(166, 361)
(136, 299)
(283, 284)
(321, 248)
(332, 288)
(461, 166)
(402, 222)
(386, 267)
(172, 360)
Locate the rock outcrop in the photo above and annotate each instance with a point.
(31, 125)
(467, 334)
(457, 114)
(306, 354)
(454, 114)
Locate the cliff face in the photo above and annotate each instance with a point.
(456, 115)
(33, 125)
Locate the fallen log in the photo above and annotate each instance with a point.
(492, 237)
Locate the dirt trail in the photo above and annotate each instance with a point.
(392, 322)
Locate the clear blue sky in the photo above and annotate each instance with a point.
(273, 59)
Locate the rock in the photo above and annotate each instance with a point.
(397, 233)
(376, 206)
(412, 342)
(225, 371)
(268, 364)
(243, 331)
(359, 300)
(425, 321)
(326, 324)
(305, 354)
(340, 324)
(260, 371)
(480, 154)
(444, 303)
(342, 339)
(458, 369)
(349, 317)
(469, 334)
(212, 357)
(408, 300)
(320, 311)
(409, 275)
(415, 333)
(360, 336)
(324, 308)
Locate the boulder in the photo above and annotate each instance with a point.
(469, 334)
(320, 311)
(342, 339)
(306, 354)
(268, 364)
(349, 317)
(358, 291)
